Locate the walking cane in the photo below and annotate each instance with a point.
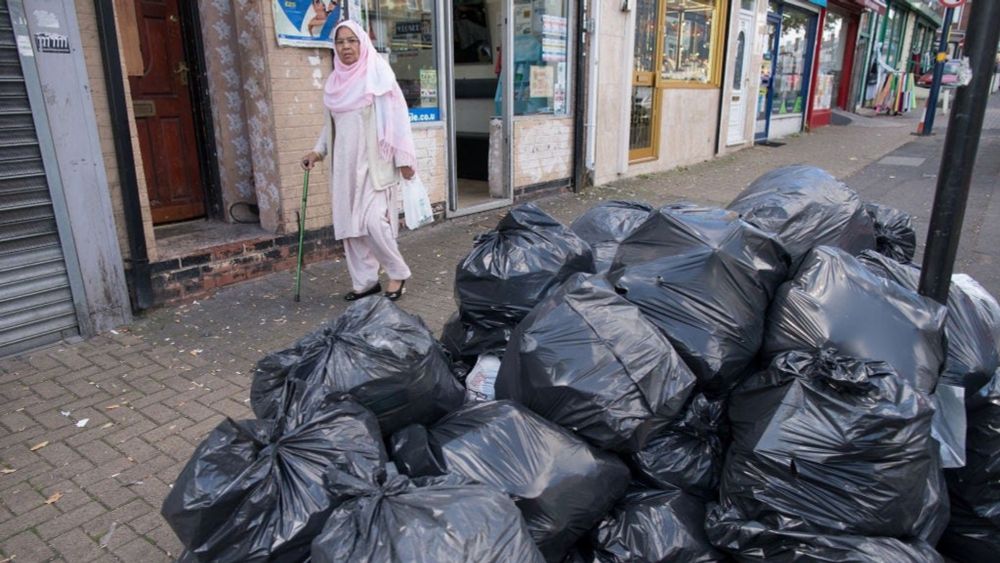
(302, 231)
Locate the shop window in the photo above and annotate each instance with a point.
(692, 42)
(541, 55)
(406, 33)
(831, 61)
(791, 66)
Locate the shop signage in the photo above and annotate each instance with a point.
(305, 23)
(821, 3)
(951, 3)
(409, 27)
(421, 115)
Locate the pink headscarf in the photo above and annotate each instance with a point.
(371, 79)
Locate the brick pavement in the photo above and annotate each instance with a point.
(151, 392)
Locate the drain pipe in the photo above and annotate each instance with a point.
(591, 127)
(580, 98)
(142, 297)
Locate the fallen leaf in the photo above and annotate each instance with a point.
(107, 425)
(52, 499)
(8, 560)
(112, 407)
(7, 471)
(39, 446)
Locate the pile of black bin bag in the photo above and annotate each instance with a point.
(679, 383)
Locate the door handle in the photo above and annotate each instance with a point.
(182, 70)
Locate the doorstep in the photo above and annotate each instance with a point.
(200, 272)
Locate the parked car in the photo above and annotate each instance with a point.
(948, 77)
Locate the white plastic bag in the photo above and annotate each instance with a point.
(416, 205)
(480, 383)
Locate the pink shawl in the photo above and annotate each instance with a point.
(371, 79)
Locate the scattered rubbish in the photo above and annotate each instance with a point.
(106, 538)
(480, 383)
(39, 446)
(107, 425)
(82, 423)
(7, 471)
(65, 413)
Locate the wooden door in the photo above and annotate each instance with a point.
(164, 115)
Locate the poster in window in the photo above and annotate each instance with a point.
(305, 23)
(542, 80)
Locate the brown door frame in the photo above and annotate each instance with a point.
(201, 126)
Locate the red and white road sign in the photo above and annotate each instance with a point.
(951, 3)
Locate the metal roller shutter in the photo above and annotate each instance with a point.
(36, 304)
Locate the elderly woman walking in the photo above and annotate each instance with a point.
(367, 130)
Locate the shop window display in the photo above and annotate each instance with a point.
(689, 41)
(541, 57)
(405, 31)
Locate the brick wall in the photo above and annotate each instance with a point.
(543, 149)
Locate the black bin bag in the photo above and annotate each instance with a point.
(783, 540)
(587, 359)
(383, 356)
(562, 485)
(688, 453)
(605, 225)
(972, 352)
(703, 276)
(973, 534)
(894, 234)
(253, 490)
(422, 520)
(649, 526)
(508, 271)
(835, 302)
(804, 207)
(833, 445)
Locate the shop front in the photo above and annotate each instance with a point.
(835, 61)
(221, 99)
(786, 69)
(661, 110)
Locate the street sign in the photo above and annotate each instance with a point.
(951, 3)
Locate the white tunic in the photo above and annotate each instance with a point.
(353, 192)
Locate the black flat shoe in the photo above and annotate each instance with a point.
(394, 295)
(352, 296)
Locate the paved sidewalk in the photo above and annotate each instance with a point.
(92, 492)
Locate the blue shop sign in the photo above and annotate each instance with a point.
(422, 115)
(821, 3)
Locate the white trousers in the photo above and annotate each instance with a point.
(378, 248)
